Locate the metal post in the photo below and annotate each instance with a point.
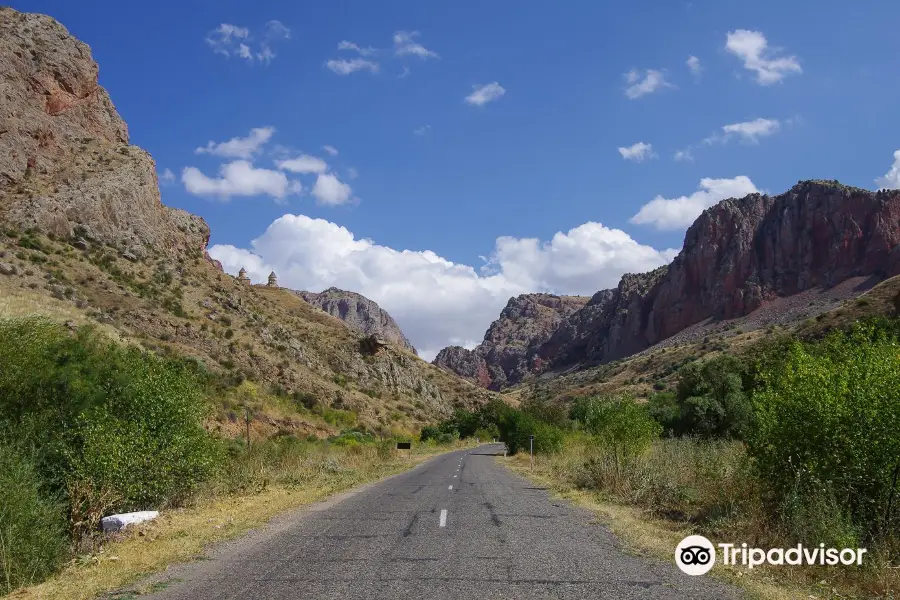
(531, 441)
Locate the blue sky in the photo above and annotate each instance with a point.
(782, 91)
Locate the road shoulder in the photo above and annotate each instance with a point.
(182, 542)
(644, 535)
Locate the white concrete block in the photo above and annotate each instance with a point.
(119, 522)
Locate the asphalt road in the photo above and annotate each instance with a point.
(457, 526)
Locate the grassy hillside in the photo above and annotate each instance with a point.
(300, 360)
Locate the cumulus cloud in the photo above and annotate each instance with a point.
(331, 191)
(238, 147)
(650, 82)
(303, 164)
(435, 301)
(746, 131)
(753, 49)
(232, 40)
(482, 94)
(677, 213)
(637, 152)
(343, 66)
(239, 178)
(891, 179)
(405, 45)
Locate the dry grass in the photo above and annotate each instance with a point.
(184, 534)
(22, 302)
(646, 535)
(683, 487)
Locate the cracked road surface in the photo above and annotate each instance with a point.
(457, 526)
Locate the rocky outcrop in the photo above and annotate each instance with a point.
(509, 351)
(359, 313)
(737, 256)
(66, 167)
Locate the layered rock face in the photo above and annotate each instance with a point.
(737, 255)
(509, 350)
(359, 313)
(66, 166)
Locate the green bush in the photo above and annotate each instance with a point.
(33, 542)
(827, 425)
(515, 427)
(108, 421)
(619, 424)
(710, 400)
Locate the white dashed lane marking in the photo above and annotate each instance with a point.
(443, 518)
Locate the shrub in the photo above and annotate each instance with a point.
(620, 425)
(120, 421)
(33, 540)
(827, 425)
(709, 401)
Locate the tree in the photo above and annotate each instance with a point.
(619, 424)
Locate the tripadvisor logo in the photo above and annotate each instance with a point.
(696, 555)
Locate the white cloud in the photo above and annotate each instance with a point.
(420, 131)
(405, 45)
(637, 152)
(751, 47)
(167, 177)
(435, 301)
(239, 147)
(693, 64)
(684, 155)
(652, 81)
(482, 94)
(229, 40)
(275, 30)
(330, 150)
(303, 164)
(751, 131)
(225, 38)
(239, 178)
(331, 191)
(344, 66)
(677, 213)
(747, 131)
(345, 45)
(891, 179)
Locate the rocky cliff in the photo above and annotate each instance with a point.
(359, 313)
(85, 239)
(737, 256)
(66, 166)
(510, 348)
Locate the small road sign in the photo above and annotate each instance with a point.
(404, 445)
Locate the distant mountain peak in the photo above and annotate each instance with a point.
(359, 313)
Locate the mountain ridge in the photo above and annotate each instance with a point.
(738, 256)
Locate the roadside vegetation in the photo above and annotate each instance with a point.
(89, 427)
(791, 442)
